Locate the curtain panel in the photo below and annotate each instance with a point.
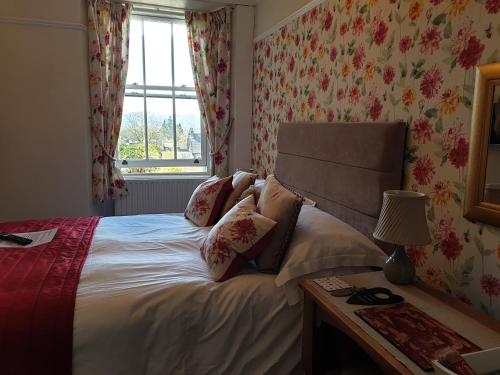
(210, 49)
(108, 35)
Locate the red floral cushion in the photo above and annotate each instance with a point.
(237, 238)
(206, 202)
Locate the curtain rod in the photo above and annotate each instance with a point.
(174, 9)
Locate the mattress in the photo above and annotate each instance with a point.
(146, 305)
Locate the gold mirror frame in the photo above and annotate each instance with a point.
(475, 208)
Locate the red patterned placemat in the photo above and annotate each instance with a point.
(414, 332)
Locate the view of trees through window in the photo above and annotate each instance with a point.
(161, 125)
(160, 137)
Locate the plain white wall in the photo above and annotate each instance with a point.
(270, 12)
(44, 141)
(44, 128)
(49, 10)
(241, 88)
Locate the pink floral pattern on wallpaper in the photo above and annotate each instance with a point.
(384, 60)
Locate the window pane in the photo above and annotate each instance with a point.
(162, 93)
(160, 128)
(159, 56)
(135, 92)
(188, 129)
(185, 94)
(157, 40)
(182, 61)
(131, 144)
(134, 74)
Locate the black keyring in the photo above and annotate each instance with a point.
(370, 297)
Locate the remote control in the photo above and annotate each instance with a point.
(16, 239)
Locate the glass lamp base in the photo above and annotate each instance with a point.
(398, 268)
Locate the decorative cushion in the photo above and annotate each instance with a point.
(237, 238)
(283, 206)
(251, 191)
(248, 170)
(241, 181)
(206, 202)
(256, 189)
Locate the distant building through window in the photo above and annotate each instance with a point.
(194, 143)
(161, 125)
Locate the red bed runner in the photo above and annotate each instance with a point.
(37, 296)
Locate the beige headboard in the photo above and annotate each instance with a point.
(344, 167)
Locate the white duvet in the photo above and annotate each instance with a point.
(146, 305)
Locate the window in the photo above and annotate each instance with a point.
(161, 124)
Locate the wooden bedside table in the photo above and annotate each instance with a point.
(321, 307)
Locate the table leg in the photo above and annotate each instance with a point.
(309, 336)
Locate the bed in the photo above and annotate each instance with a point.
(146, 304)
(146, 300)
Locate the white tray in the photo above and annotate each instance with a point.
(483, 362)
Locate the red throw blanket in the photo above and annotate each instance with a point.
(37, 296)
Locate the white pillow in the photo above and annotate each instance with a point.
(308, 202)
(259, 183)
(321, 242)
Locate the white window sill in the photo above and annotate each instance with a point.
(164, 177)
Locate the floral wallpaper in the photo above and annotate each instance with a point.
(379, 60)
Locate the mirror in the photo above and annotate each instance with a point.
(492, 183)
(482, 196)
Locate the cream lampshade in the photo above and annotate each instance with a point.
(402, 222)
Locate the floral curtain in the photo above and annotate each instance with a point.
(210, 50)
(108, 34)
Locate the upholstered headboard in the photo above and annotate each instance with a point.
(344, 167)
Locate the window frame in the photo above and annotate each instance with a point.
(177, 92)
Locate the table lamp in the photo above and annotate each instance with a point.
(402, 222)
